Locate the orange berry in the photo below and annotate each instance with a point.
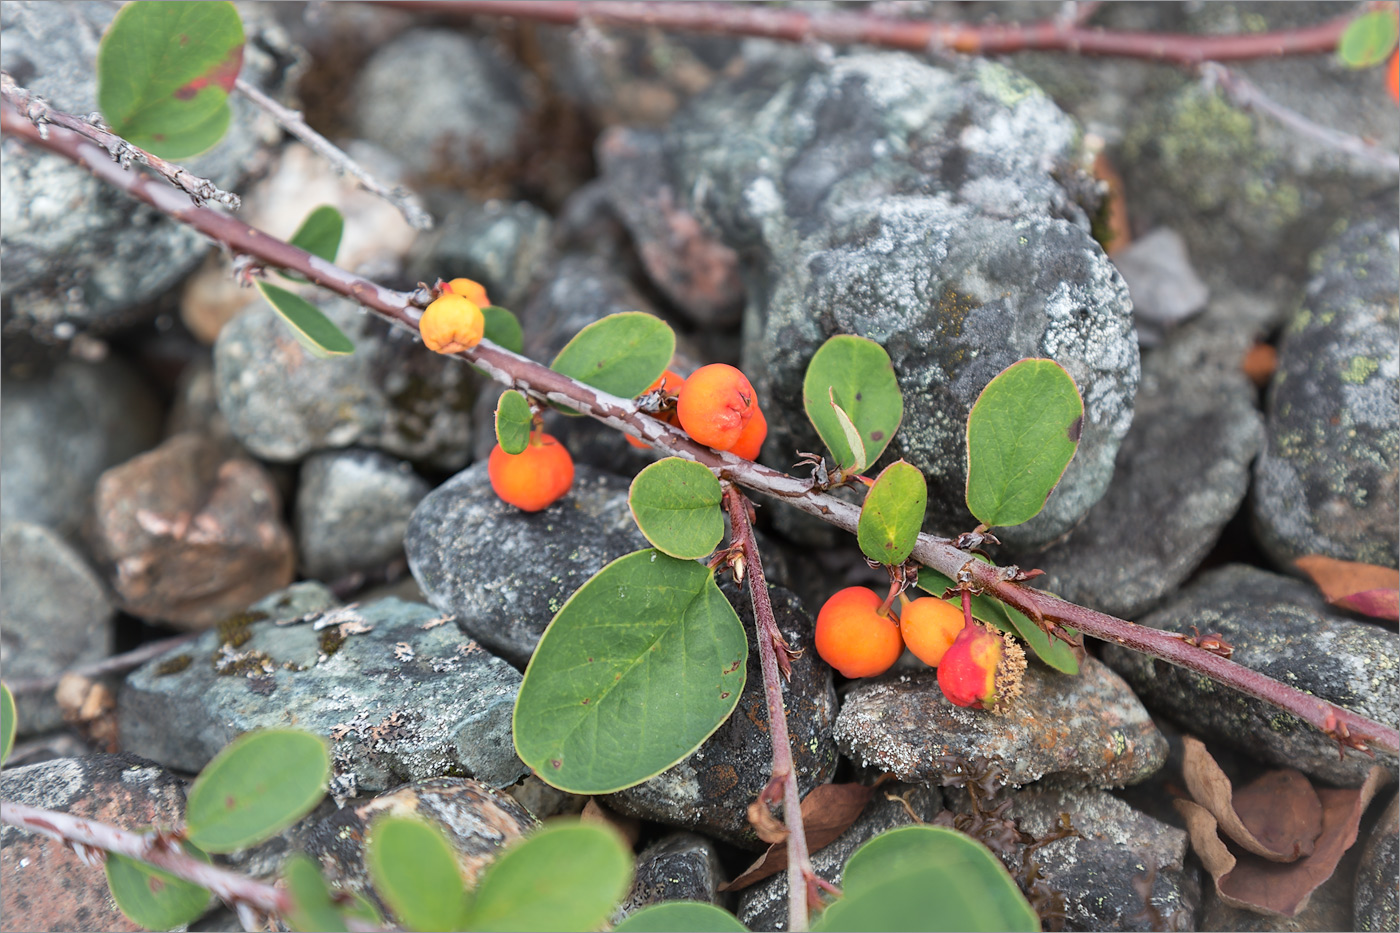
(474, 292)
(452, 324)
(1395, 77)
(929, 625)
(854, 637)
(751, 439)
(982, 668)
(671, 383)
(715, 405)
(534, 478)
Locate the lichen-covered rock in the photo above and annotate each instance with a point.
(390, 394)
(1282, 628)
(1085, 729)
(677, 867)
(352, 510)
(1325, 483)
(1377, 901)
(399, 692)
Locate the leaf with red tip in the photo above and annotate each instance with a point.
(1364, 588)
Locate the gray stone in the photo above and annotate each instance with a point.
(544, 801)
(764, 906)
(1085, 729)
(1325, 483)
(501, 244)
(408, 699)
(1162, 283)
(440, 101)
(390, 394)
(710, 791)
(880, 196)
(1377, 901)
(678, 867)
(504, 573)
(1181, 475)
(86, 417)
(352, 510)
(1282, 628)
(77, 253)
(54, 616)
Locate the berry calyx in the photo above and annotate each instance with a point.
(751, 439)
(474, 292)
(854, 634)
(534, 478)
(715, 405)
(929, 626)
(452, 324)
(670, 383)
(982, 668)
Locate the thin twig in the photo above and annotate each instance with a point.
(292, 121)
(538, 381)
(836, 26)
(770, 638)
(111, 665)
(40, 113)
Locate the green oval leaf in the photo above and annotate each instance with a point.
(152, 897)
(312, 907)
(927, 878)
(8, 722)
(313, 330)
(676, 505)
(164, 73)
(622, 354)
(892, 514)
(503, 329)
(415, 872)
(681, 917)
(513, 420)
(856, 376)
(1369, 39)
(642, 664)
(262, 783)
(1021, 435)
(567, 876)
(319, 234)
(993, 611)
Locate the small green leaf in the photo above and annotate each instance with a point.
(312, 907)
(513, 421)
(892, 514)
(681, 917)
(993, 611)
(642, 664)
(1369, 39)
(313, 330)
(415, 872)
(568, 876)
(319, 234)
(154, 898)
(8, 722)
(622, 354)
(676, 504)
(262, 783)
(503, 329)
(854, 375)
(927, 878)
(164, 73)
(854, 442)
(1021, 435)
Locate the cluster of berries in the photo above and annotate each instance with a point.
(977, 666)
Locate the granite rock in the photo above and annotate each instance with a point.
(501, 244)
(351, 512)
(677, 867)
(1376, 901)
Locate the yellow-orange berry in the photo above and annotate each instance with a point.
(715, 405)
(670, 383)
(982, 668)
(534, 478)
(751, 439)
(452, 324)
(474, 292)
(929, 625)
(854, 637)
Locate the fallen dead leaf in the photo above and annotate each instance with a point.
(827, 812)
(1365, 588)
(1278, 816)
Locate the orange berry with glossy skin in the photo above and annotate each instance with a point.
(474, 292)
(854, 637)
(534, 478)
(982, 668)
(1395, 76)
(929, 626)
(715, 405)
(751, 440)
(452, 324)
(671, 383)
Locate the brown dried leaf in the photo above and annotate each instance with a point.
(1278, 816)
(1363, 588)
(768, 827)
(827, 812)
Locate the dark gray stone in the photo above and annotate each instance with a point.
(1377, 901)
(1086, 729)
(678, 867)
(404, 700)
(440, 101)
(1282, 628)
(501, 244)
(1162, 283)
(764, 906)
(352, 510)
(1181, 475)
(710, 791)
(54, 616)
(390, 394)
(1325, 483)
(504, 573)
(86, 417)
